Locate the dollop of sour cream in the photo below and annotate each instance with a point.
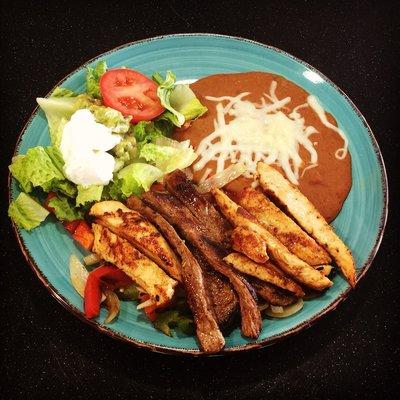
(84, 147)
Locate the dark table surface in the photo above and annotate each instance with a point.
(352, 352)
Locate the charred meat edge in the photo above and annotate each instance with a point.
(272, 294)
(221, 293)
(218, 228)
(210, 337)
(175, 212)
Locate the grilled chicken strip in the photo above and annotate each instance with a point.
(249, 243)
(144, 272)
(308, 217)
(272, 294)
(282, 227)
(218, 228)
(178, 215)
(138, 231)
(210, 337)
(285, 260)
(265, 272)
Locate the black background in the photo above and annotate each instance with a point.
(352, 352)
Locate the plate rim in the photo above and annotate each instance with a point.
(241, 348)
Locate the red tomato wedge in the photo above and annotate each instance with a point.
(131, 93)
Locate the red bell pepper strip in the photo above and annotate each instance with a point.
(104, 277)
(84, 235)
(92, 297)
(71, 226)
(150, 311)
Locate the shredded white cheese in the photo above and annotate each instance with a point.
(261, 132)
(314, 104)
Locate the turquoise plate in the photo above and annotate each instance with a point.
(360, 223)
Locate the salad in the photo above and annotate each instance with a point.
(108, 143)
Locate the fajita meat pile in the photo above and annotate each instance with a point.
(230, 253)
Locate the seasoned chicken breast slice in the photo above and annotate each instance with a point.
(282, 227)
(136, 229)
(144, 272)
(249, 243)
(264, 272)
(308, 217)
(284, 259)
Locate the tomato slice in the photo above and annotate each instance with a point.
(131, 93)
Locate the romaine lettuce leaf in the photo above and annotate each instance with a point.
(63, 92)
(58, 111)
(150, 131)
(146, 131)
(65, 187)
(107, 116)
(64, 209)
(41, 167)
(26, 212)
(174, 155)
(179, 100)
(88, 194)
(134, 179)
(111, 118)
(164, 91)
(185, 101)
(93, 76)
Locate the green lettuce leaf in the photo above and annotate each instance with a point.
(64, 209)
(107, 116)
(58, 111)
(164, 90)
(41, 167)
(150, 131)
(65, 186)
(26, 212)
(93, 76)
(168, 155)
(185, 101)
(179, 100)
(134, 179)
(88, 194)
(146, 131)
(63, 92)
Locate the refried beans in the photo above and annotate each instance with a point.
(326, 185)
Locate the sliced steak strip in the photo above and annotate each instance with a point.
(272, 294)
(175, 212)
(218, 228)
(208, 333)
(221, 293)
